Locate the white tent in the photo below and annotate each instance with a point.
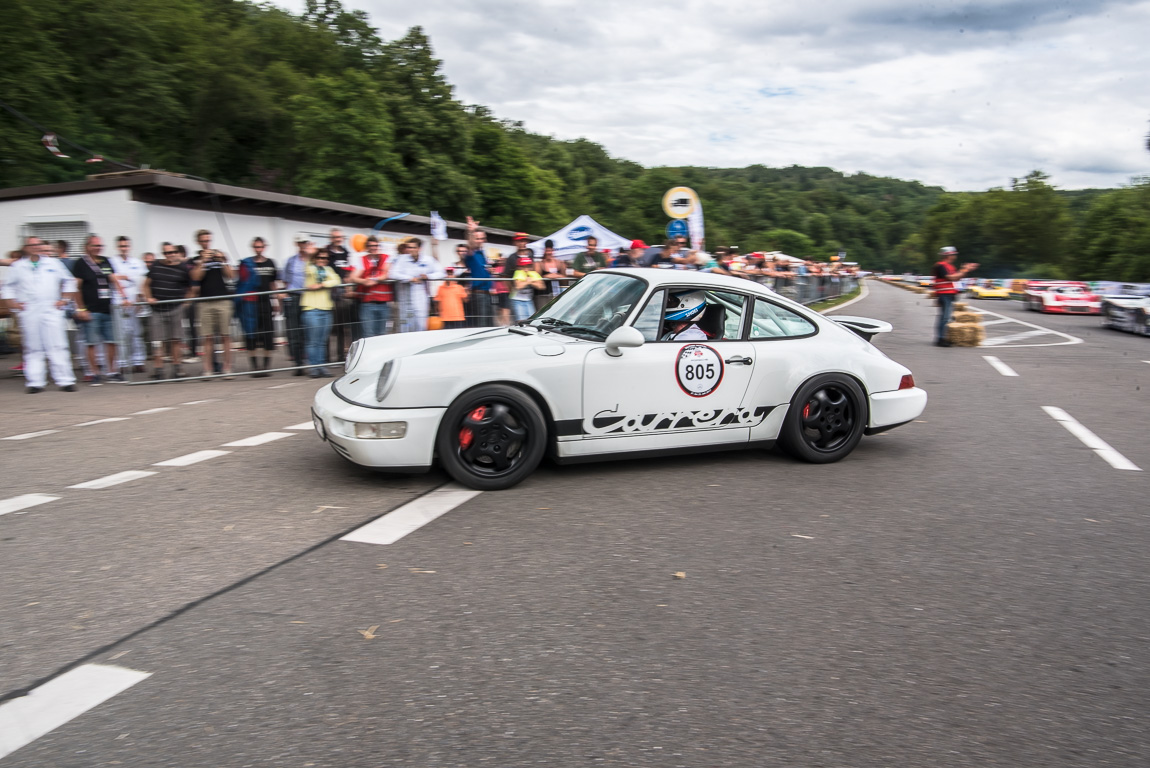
(572, 239)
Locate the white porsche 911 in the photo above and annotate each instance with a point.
(626, 362)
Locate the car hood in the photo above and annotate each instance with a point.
(433, 351)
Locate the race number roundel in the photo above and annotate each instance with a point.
(699, 370)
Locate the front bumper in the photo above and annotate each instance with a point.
(1073, 309)
(413, 452)
(891, 409)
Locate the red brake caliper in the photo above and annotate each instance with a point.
(807, 411)
(465, 434)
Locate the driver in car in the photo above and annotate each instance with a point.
(683, 309)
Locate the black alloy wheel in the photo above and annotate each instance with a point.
(492, 437)
(826, 419)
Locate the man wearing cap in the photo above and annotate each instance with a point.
(292, 279)
(946, 279)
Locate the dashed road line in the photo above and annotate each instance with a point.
(281, 386)
(17, 503)
(301, 425)
(266, 437)
(151, 411)
(201, 402)
(995, 341)
(412, 516)
(108, 420)
(1091, 440)
(116, 479)
(999, 366)
(60, 700)
(30, 435)
(191, 458)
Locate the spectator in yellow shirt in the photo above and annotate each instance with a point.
(315, 310)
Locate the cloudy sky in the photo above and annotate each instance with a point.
(960, 93)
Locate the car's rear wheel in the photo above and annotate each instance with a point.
(826, 419)
(492, 437)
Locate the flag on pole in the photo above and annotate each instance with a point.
(695, 225)
(52, 145)
(438, 226)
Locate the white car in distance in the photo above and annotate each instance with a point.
(605, 371)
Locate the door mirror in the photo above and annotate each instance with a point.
(627, 336)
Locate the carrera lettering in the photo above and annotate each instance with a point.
(612, 423)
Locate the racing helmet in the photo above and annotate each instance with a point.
(685, 306)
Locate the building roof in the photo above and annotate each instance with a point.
(161, 188)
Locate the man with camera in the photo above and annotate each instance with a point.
(213, 274)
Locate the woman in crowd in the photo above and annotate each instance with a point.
(552, 271)
(257, 275)
(315, 309)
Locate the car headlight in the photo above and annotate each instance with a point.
(353, 354)
(387, 376)
(370, 430)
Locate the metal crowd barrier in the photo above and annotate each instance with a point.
(272, 329)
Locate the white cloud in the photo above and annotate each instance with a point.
(964, 94)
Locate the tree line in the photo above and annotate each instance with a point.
(319, 105)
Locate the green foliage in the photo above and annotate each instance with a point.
(1113, 242)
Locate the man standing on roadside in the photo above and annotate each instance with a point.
(213, 273)
(258, 275)
(946, 279)
(346, 315)
(131, 273)
(590, 260)
(37, 288)
(97, 282)
(375, 293)
(169, 282)
(482, 289)
(292, 278)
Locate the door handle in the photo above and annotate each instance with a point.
(739, 361)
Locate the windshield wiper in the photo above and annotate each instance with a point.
(568, 329)
(552, 321)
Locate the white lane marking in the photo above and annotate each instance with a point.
(412, 516)
(999, 366)
(17, 503)
(301, 425)
(201, 402)
(191, 458)
(116, 479)
(995, 341)
(1069, 339)
(266, 437)
(863, 292)
(995, 322)
(1091, 440)
(59, 700)
(30, 435)
(281, 386)
(101, 421)
(152, 410)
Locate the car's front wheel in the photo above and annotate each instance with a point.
(826, 419)
(492, 437)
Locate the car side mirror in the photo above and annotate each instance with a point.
(627, 336)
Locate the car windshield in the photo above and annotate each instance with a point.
(593, 307)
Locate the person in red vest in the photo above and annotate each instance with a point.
(946, 278)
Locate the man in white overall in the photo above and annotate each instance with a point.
(37, 289)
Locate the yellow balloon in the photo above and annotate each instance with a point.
(359, 242)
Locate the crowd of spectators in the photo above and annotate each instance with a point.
(180, 309)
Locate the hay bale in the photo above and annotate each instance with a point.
(965, 334)
(972, 318)
(961, 306)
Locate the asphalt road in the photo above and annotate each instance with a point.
(967, 590)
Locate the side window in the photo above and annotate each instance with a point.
(770, 321)
(650, 319)
(723, 318)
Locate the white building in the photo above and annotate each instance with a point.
(151, 207)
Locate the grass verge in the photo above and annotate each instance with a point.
(823, 306)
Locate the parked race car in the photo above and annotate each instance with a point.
(626, 362)
(1127, 313)
(1062, 297)
(988, 289)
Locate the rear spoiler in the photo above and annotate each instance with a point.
(863, 326)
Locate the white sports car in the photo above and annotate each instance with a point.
(626, 362)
